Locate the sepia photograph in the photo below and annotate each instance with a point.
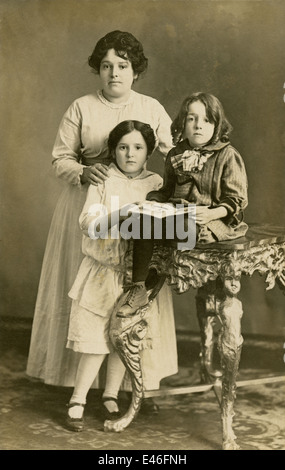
(143, 193)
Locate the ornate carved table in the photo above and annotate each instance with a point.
(215, 271)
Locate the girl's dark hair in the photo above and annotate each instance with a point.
(126, 47)
(214, 112)
(125, 127)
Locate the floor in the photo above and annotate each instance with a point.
(32, 414)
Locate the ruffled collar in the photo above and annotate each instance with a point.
(184, 145)
(192, 160)
(114, 170)
(115, 105)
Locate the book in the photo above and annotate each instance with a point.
(161, 210)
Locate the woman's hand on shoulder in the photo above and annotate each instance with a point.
(95, 174)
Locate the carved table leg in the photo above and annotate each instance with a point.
(229, 344)
(126, 335)
(206, 313)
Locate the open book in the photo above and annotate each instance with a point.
(161, 210)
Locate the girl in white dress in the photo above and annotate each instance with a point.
(101, 276)
(80, 158)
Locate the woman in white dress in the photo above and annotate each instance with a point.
(79, 159)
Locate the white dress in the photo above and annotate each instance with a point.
(83, 132)
(101, 276)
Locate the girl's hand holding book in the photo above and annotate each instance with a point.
(205, 214)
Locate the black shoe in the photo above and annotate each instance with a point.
(135, 298)
(148, 406)
(74, 424)
(112, 415)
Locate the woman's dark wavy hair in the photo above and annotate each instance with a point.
(126, 47)
(125, 127)
(214, 112)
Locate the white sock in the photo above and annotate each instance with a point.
(87, 371)
(115, 374)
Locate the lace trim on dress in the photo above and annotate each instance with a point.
(115, 105)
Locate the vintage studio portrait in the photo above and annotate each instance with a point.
(143, 227)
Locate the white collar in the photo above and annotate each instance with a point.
(110, 104)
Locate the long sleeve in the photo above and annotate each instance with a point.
(163, 130)
(66, 150)
(93, 207)
(234, 186)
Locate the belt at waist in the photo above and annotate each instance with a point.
(92, 161)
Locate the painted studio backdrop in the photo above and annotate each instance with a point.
(233, 49)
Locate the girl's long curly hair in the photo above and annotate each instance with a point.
(126, 47)
(214, 112)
